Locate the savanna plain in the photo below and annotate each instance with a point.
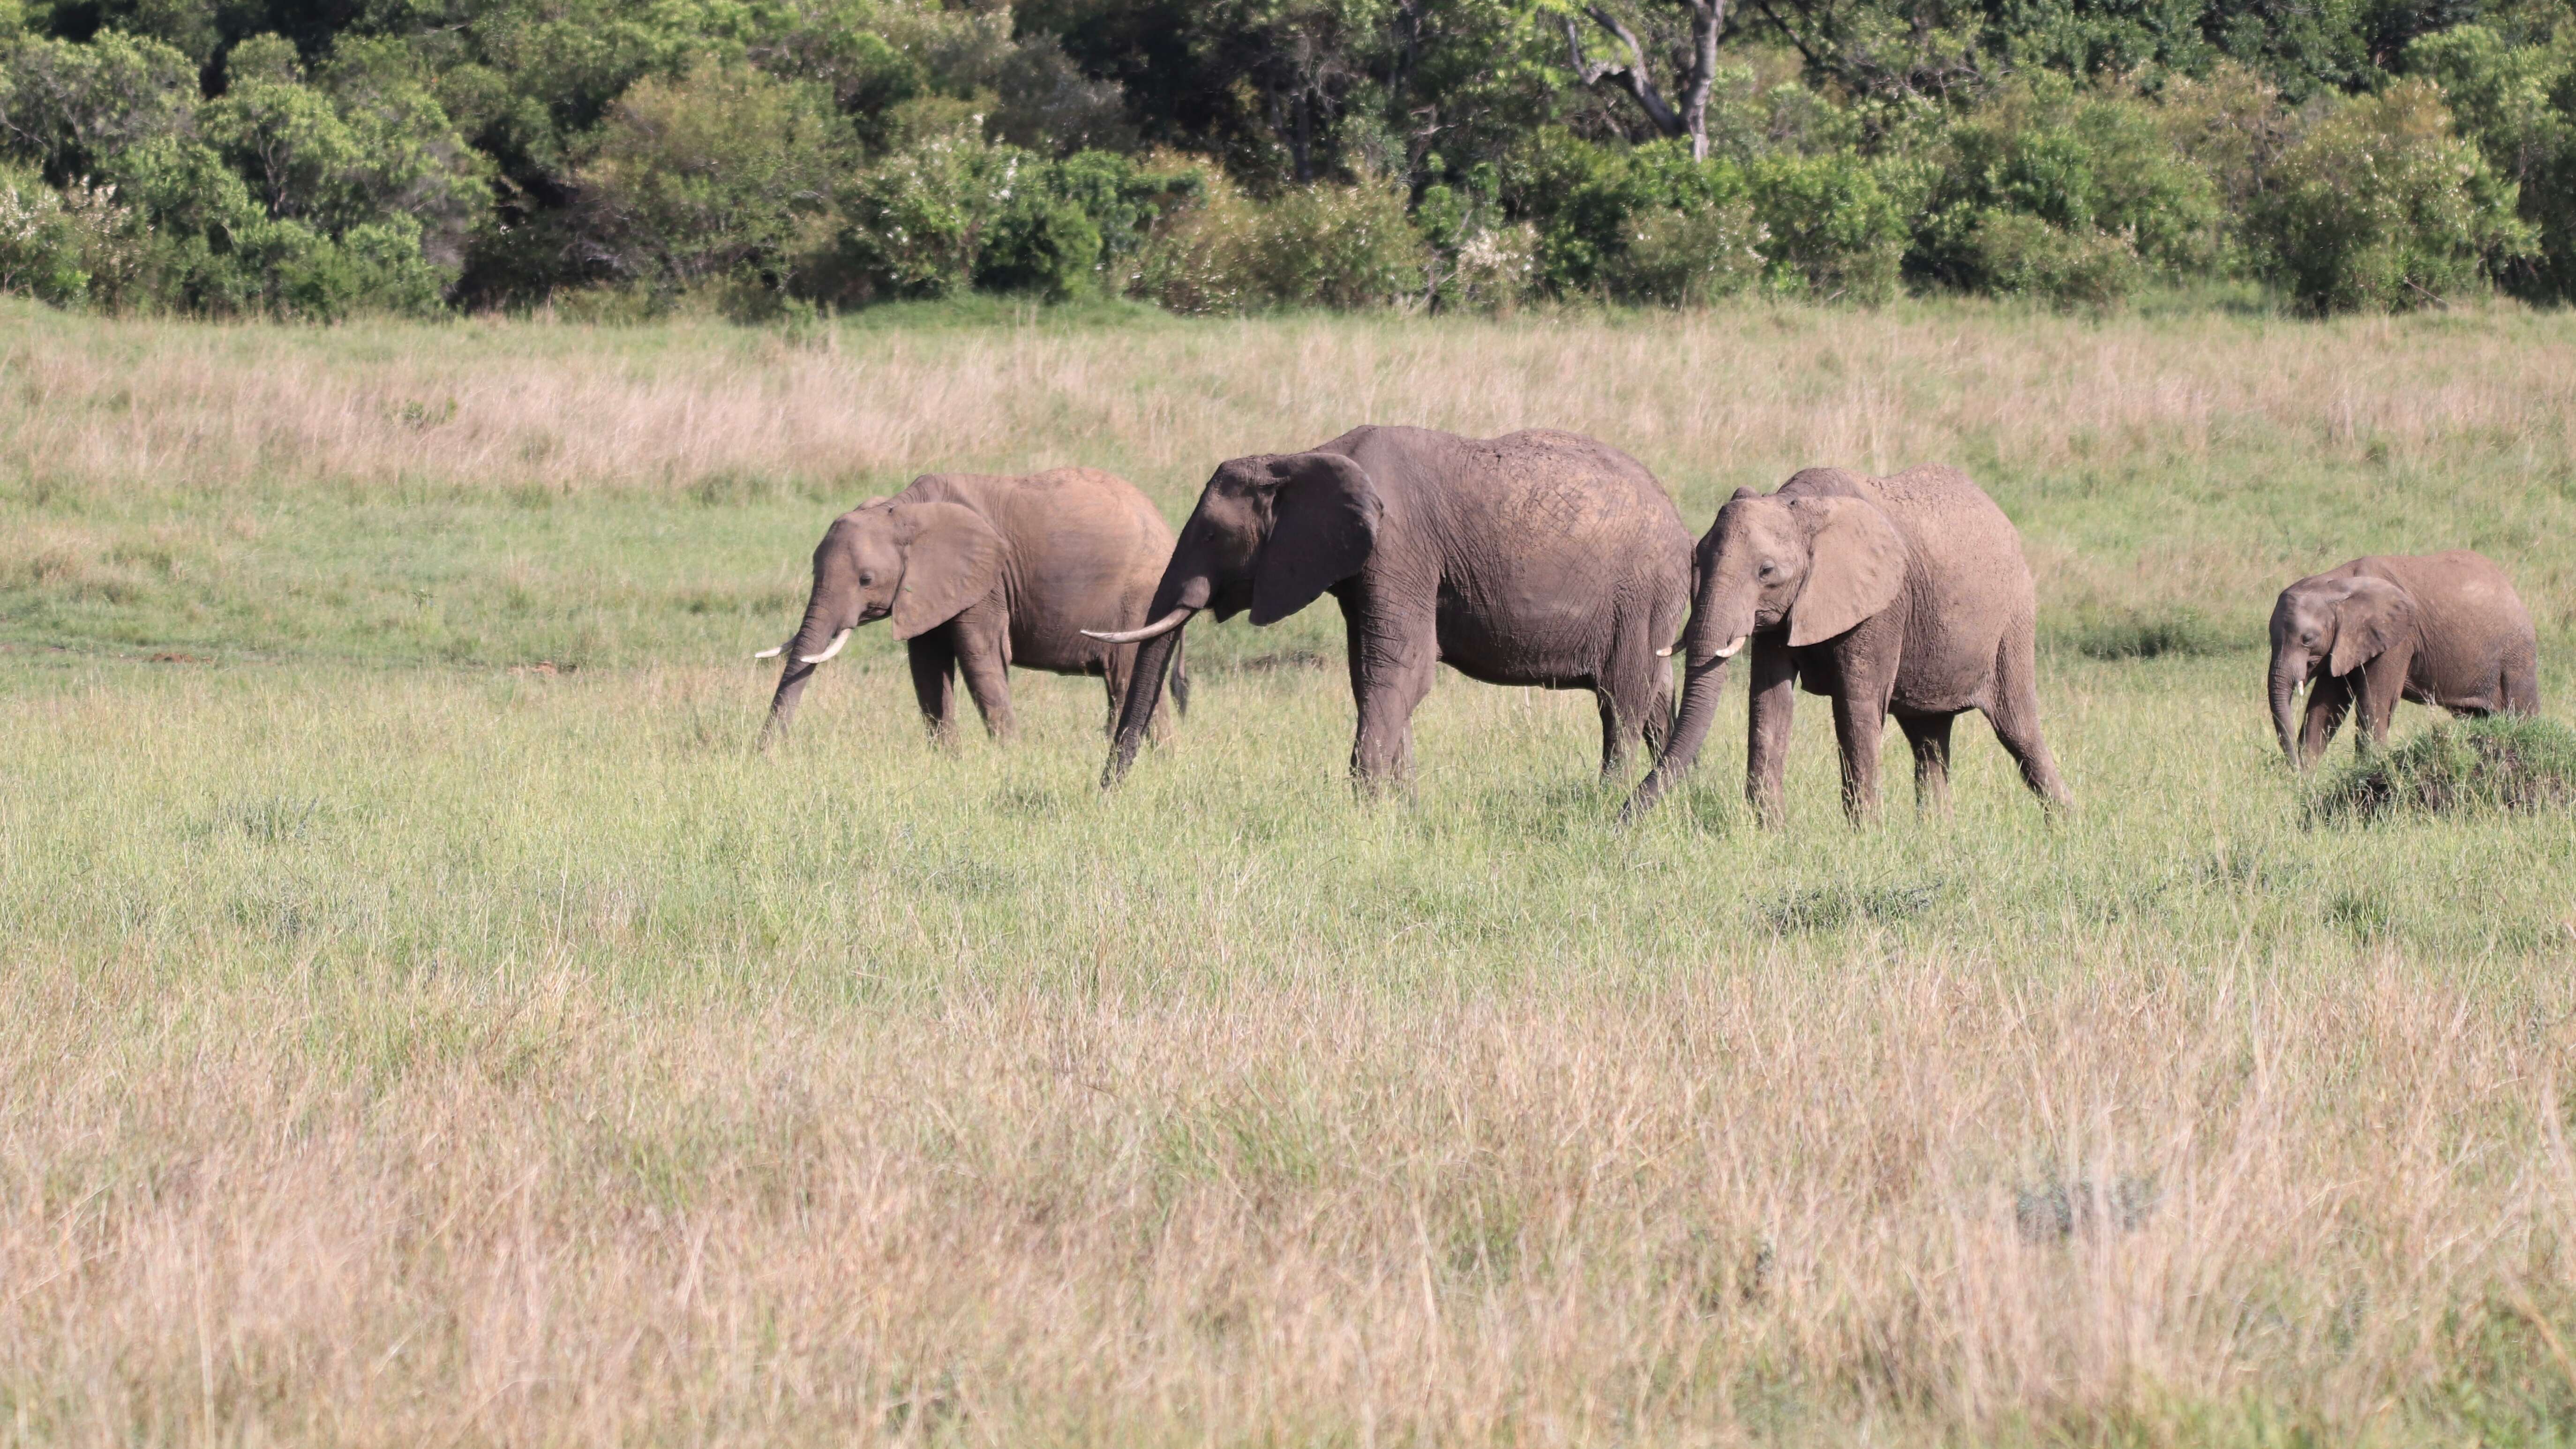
(429, 1021)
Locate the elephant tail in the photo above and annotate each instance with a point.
(1180, 678)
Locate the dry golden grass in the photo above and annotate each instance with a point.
(431, 1052)
(1811, 1197)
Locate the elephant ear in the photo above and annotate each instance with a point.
(2370, 619)
(1324, 516)
(1855, 567)
(954, 559)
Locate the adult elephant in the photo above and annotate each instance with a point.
(1537, 558)
(1905, 595)
(2441, 629)
(980, 573)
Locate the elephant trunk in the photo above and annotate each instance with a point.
(1703, 680)
(813, 637)
(1174, 604)
(2288, 668)
(1717, 630)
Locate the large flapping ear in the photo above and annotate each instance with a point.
(953, 559)
(1324, 516)
(1855, 567)
(2370, 619)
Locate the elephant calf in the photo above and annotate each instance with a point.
(1905, 595)
(980, 573)
(1536, 558)
(2441, 629)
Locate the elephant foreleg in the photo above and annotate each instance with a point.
(934, 666)
(1391, 661)
(1771, 707)
(2328, 700)
(2383, 683)
(1929, 735)
(1858, 725)
(983, 635)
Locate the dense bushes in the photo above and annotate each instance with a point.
(2381, 206)
(243, 156)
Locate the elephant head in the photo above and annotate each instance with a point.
(1810, 566)
(915, 562)
(2328, 627)
(1270, 534)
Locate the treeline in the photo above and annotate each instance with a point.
(313, 158)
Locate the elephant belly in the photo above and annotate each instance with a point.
(1568, 655)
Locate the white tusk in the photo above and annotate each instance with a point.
(826, 656)
(1730, 650)
(1664, 653)
(771, 653)
(1163, 625)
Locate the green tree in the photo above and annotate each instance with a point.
(2383, 206)
(709, 175)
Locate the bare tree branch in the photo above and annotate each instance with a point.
(1708, 18)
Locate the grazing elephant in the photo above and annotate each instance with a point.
(980, 573)
(2443, 629)
(1905, 595)
(1536, 558)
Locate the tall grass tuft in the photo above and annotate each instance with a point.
(2501, 762)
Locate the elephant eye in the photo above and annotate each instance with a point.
(867, 578)
(1770, 571)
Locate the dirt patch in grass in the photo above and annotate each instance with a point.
(2505, 762)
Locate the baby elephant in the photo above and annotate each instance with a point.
(1904, 595)
(980, 573)
(2441, 628)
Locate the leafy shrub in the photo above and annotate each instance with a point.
(704, 176)
(63, 247)
(955, 211)
(2502, 762)
(2382, 206)
(70, 108)
(1833, 225)
(1691, 258)
(2014, 254)
(1319, 246)
(2073, 200)
(2518, 103)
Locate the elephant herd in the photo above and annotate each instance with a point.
(1553, 560)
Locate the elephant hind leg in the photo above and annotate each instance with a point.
(2014, 714)
(1636, 696)
(1929, 735)
(2522, 686)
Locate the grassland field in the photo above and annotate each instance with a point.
(430, 1022)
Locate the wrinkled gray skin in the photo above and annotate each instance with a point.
(980, 573)
(1538, 558)
(2441, 629)
(1905, 595)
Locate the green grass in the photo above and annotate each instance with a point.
(409, 1044)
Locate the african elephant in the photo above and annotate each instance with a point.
(1905, 595)
(2443, 629)
(1537, 558)
(980, 573)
